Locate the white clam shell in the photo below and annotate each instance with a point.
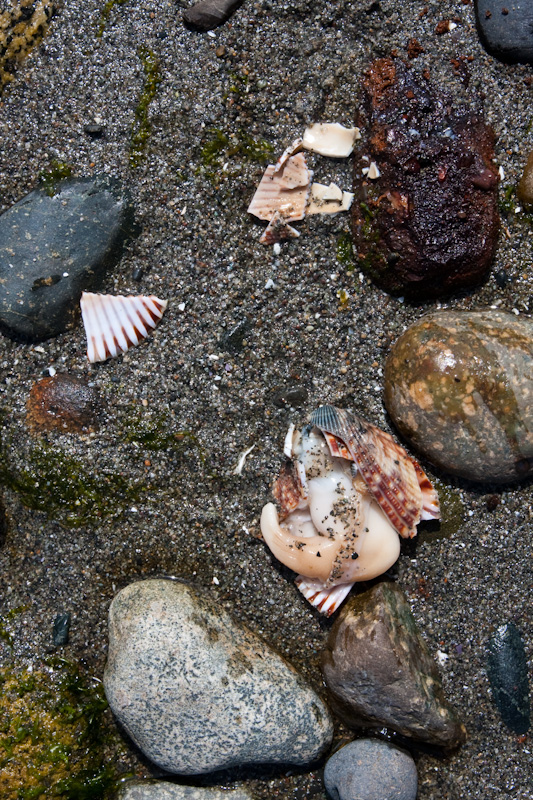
(114, 323)
(330, 139)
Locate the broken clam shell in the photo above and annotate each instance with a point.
(346, 492)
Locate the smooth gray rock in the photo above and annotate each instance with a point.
(380, 673)
(368, 769)
(163, 790)
(506, 29)
(53, 247)
(197, 692)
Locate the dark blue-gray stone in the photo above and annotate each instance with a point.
(368, 769)
(53, 247)
(507, 673)
(506, 29)
(61, 629)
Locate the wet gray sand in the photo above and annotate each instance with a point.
(181, 511)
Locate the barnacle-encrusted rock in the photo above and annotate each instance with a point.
(459, 387)
(380, 673)
(428, 223)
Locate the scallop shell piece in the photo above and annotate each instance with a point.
(114, 323)
(277, 230)
(343, 495)
(330, 139)
(328, 199)
(394, 479)
(293, 148)
(273, 194)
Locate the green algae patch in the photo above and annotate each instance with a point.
(157, 435)
(22, 27)
(220, 149)
(345, 252)
(142, 127)
(58, 171)
(61, 486)
(106, 13)
(52, 734)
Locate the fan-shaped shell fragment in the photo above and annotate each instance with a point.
(113, 324)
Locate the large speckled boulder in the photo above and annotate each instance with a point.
(163, 790)
(380, 673)
(197, 692)
(459, 387)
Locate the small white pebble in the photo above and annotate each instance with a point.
(442, 658)
(39, 349)
(51, 371)
(270, 284)
(277, 249)
(181, 307)
(501, 173)
(216, 580)
(212, 34)
(516, 311)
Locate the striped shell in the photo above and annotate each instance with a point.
(113, 324)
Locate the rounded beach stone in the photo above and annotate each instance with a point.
(197, 692)
(163, 790)
(53, 247)
(380, 673)
(64, 403)
(506, 29)
(459, 387)
(367, 769)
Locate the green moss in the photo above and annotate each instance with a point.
(5, 624)
(106, 13)
(451, 508)
(221, 147)
(156, 435)
(345, 251)
(58, 171)
(52, 734)
(142, 127)
(52, 482)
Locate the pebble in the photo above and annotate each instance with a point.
(61, 629)
(62, 403)
(55, 245)
(163, 790)
(459, 387)
(524, 189)
(428, 225)
(505, 29)
(209, 14)
(368, 769)
(198, 692)
(508, 676)
(380, 673)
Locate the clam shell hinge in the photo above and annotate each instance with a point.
(113, 324)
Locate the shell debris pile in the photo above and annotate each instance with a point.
(344, 495)
(286, 192)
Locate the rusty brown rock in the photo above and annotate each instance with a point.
(428, 225)
(62, 403)
(459, 387)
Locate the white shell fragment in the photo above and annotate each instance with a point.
(293, 148)
(288, 196)
(372, 171)
(277, 230)
(113, 324)
(328, 199)
(330, 139)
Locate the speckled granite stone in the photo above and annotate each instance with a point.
(368, 769)
(459, 387)
(163, 790)
(197, 692)
(380, 673)
(54, 247)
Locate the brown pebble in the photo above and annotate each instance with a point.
(414, 48)
(62, 403)
(525, 187)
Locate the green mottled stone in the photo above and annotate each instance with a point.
(379, 671)
(507, 673)
(459, 387)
